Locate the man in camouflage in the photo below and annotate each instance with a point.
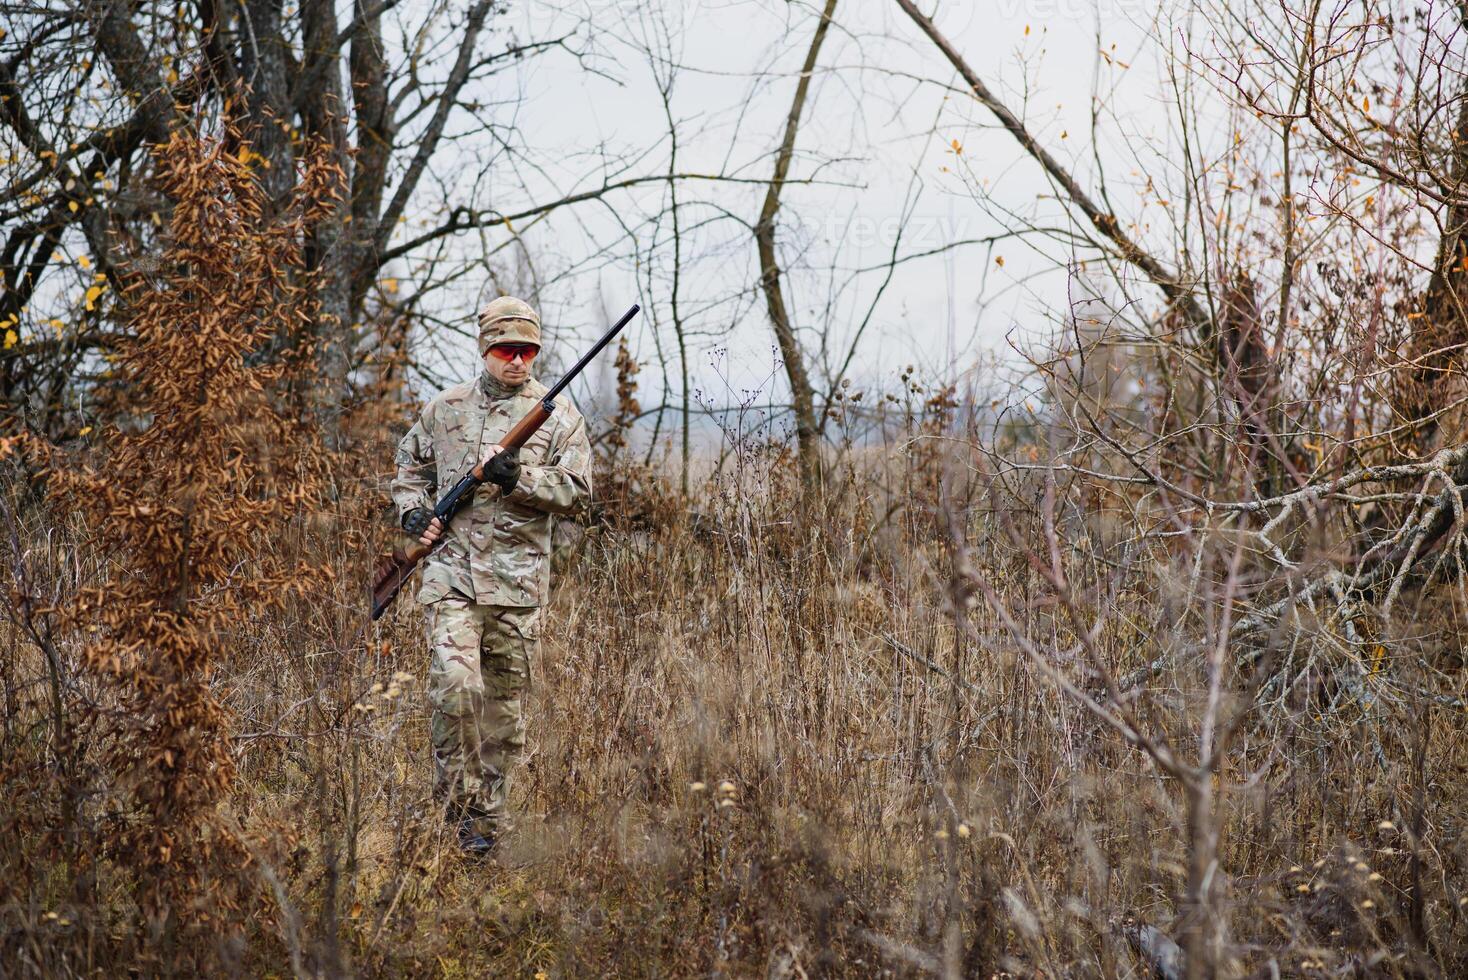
(485, 584)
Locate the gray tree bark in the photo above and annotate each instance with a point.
(807, 429)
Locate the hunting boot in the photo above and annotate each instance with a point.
(475, 830)
(474, 840)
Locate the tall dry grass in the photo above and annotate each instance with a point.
(948, 713)
(760, 744)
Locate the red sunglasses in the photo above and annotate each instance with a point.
(508, 352)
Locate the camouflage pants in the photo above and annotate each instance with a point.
(481, 664)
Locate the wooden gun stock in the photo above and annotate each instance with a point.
(392, 570)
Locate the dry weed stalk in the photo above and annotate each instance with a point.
(618, 466)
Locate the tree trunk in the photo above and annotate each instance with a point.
(807, 431)
(267, 96)
(375, 133)
(1203, 935)
(1438, 345)
(329, 254)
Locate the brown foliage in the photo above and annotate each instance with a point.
(208, 457)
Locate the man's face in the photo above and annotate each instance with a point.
(509, 364)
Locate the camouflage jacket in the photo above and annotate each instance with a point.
(498, 548)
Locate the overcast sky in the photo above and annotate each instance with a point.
(878, 137)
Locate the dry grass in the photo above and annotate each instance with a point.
(757, 748)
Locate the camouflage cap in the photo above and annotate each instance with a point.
(507, 320)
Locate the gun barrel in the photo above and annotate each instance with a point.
(589, 355)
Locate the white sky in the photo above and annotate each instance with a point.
(877, 141)
(878, 131)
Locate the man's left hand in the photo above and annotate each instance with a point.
(503, 468)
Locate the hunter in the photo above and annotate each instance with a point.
(484, 587)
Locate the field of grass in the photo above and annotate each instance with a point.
(769, 735)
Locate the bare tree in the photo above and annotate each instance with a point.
(384, 106)
(802, 395)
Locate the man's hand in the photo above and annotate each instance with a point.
(432, 534)
(420, 521)
(502, 468)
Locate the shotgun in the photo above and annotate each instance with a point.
(392, 570)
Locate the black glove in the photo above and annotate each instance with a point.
(416, 521)
(503, 470)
